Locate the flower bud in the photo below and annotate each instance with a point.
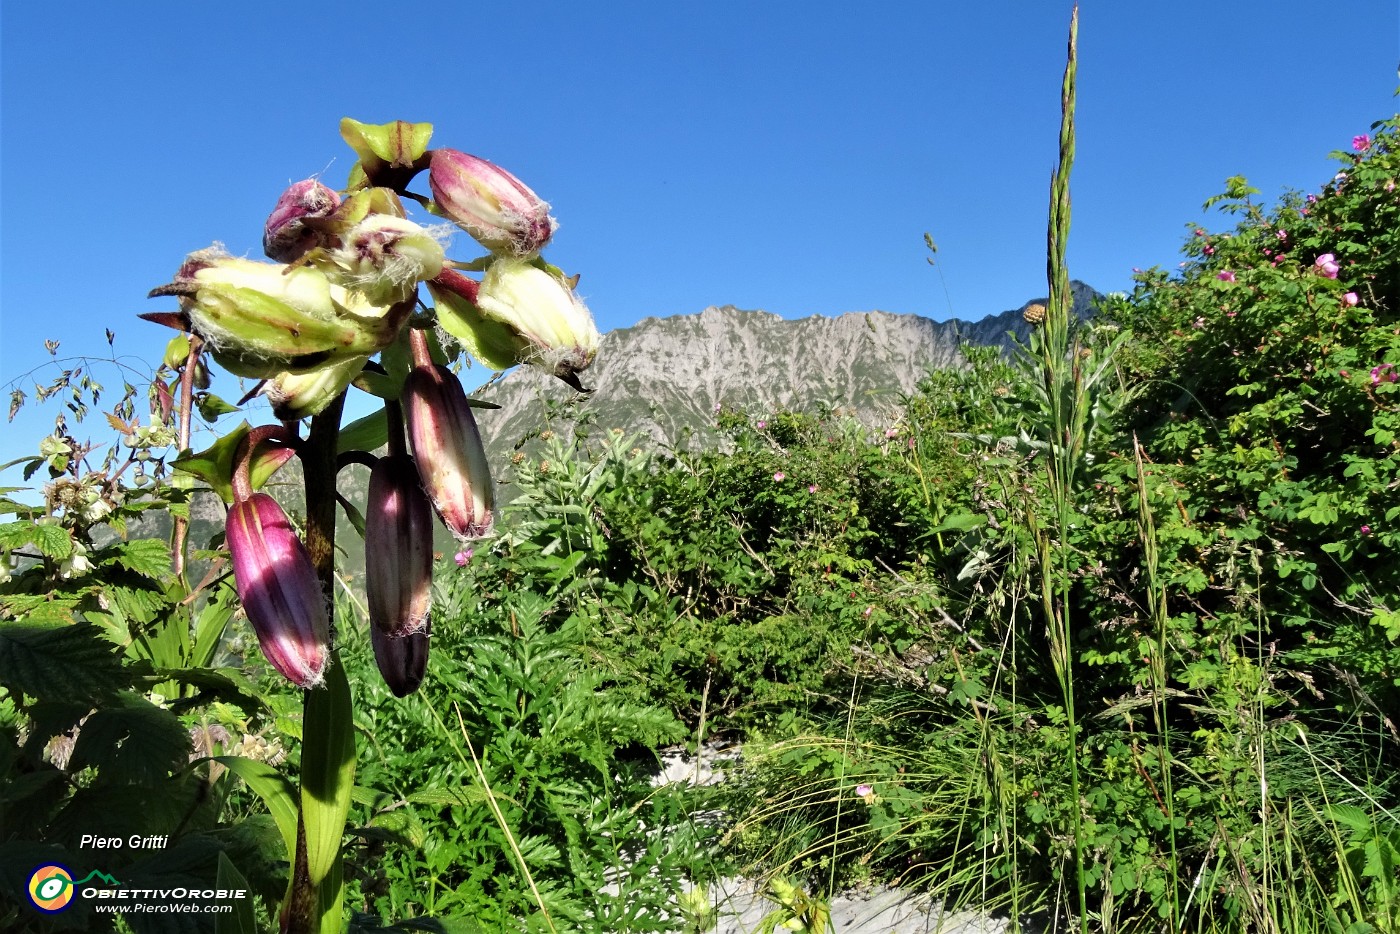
(286, 236)
(385, 257)
(497, 344)
(402, 660)
(399, 561)
(520, 306)
(279, 590)
(261, 319)
(390, 153)
(489, 203)
(295, 396)
(447, 447)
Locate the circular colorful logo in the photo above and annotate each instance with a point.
(51, 888)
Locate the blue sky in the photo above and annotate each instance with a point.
(784, 156)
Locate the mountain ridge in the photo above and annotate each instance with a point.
(663, 376)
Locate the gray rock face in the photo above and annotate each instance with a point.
(664, 375)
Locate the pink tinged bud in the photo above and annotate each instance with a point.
(489, 203)
(286, 236)
(1350, 299)
(279, 590)
(447, 448)
(399, 559)
(385, 257)
(402, 660)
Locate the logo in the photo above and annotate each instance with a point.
(51, 887)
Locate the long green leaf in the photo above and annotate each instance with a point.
(327, 768)
(241, 920)
(276, 791)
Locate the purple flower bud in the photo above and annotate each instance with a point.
(399, 563)
(489, 203)
(402, 660)
(447, 448)
(279, 590)
(286, 238)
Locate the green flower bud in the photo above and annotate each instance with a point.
(385, 257)
(295, 396)
(262, 319)
(522, 313)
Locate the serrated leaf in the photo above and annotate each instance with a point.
(133, 742)
(53, 541)
(450, 797)
(60, 661)
(139, 604)
(149, 557)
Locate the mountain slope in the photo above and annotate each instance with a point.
(664, 375)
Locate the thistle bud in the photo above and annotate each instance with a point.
(447, 448)
(286, 236)
(279, 590)
(550, 326)
(489, 203)
(399, 563)
(402, 660)
(385, 257)
(295, 396)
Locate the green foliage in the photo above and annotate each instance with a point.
(510, 714)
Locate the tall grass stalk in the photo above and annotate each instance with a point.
(1157, 609)
(1061, 375)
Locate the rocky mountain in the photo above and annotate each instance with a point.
(664, 375)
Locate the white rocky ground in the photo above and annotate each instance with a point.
(741, 906)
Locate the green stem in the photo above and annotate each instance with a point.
(313, 898)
